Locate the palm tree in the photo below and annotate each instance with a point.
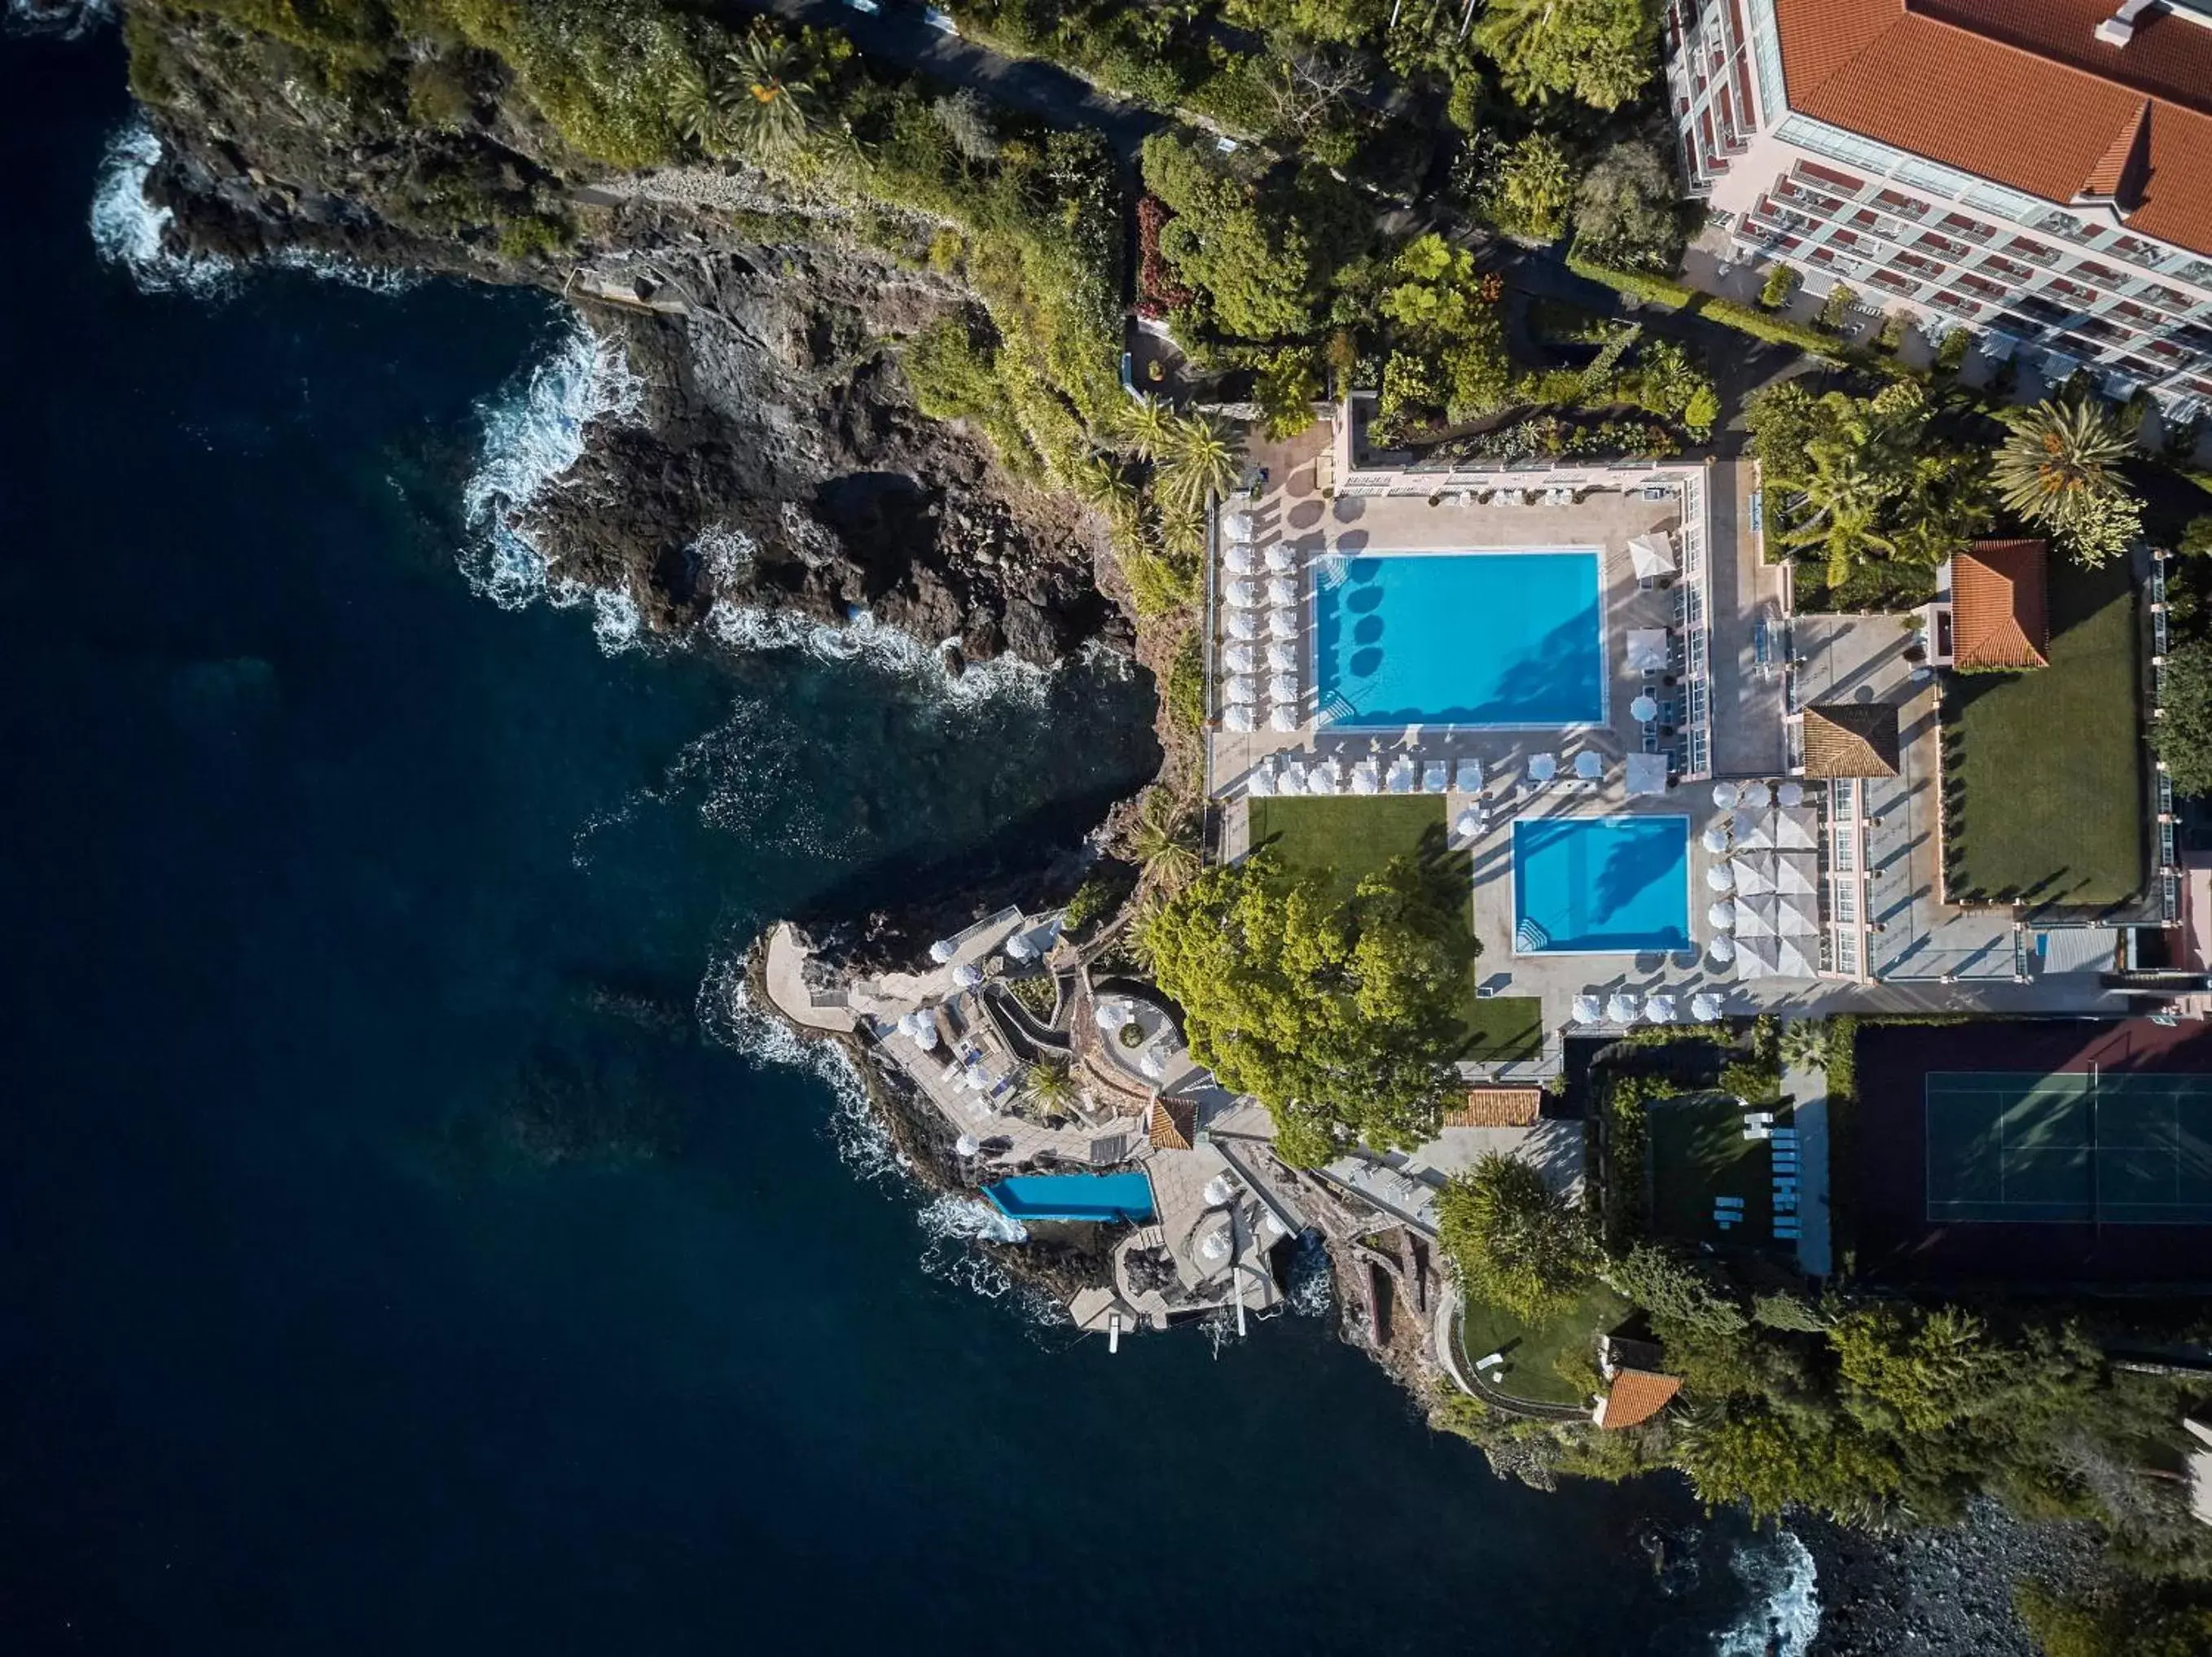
(1165, 842)
(1805, 1043)
(1097, 481)
(698, 102)
(1204, 457)
(769, 111)
(2059, 461)
(1049, 1085)
(1146, 425)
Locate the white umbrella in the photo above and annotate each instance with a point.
(1644, 710)
(1284, 719)
(1705, 1006)
(1363, 780)
(1589, 765)
(1754, 873)
(1543, 767)
(1020, 948)
(1240, 658)
(1243, 689)
(1724, 795)
(1244, 595)
(1647, 650)
(1293, 779)
(1790, 795)
(1621, 1009)
(1589, 1010)
(1282, 558)
(1241, 559)
(1282, 624)
(942, 950)
(1715, 838)
(1794, 917)
(1112, 1016)
(1323, 779)
(1470, 776)
(1720, 878)
(1468, 824)
(1756, 795)
(1401, 781)
(1283, 688)
(1281, 590)
(1755, 917)
(910, 1024)
(1651, 555)
(1153, 1066)
(1660, 1009)
(967, 975)
(1260, 782)
(978, 1077)
(1721, 950)
(1237, 525)
(966, 1145)
(1244, 625)
(1282, 657)
(1722, 916)
(1750, 832)
(1645, 773)
(1238, 718)
(926, 1037)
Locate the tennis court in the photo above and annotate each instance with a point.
(2069, 1149)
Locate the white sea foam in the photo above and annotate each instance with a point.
(534, 432)
(1785, 1613)
(727, 553)
(131, 232)
(66, 19)
(886, 648)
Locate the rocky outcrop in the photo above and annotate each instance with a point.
(774, 423)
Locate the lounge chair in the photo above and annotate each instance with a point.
(1432, 778)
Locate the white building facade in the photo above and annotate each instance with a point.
(2063, 283)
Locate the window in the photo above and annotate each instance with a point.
(1843, 798)
(1845, 893)
(1847, 953)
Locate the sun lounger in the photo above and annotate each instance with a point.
(1432, 778)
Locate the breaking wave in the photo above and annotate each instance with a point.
(1785, 1611)
(533, 434)
(131, 232)
(64, 20)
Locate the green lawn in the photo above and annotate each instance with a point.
(1694, 1152)
(1345, 838)
(1533, 1353)
(2043, 770)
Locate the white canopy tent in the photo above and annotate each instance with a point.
(1795, 916)
(1796, 874)
(1652, 555)
(1755, 917)
(1646, 774)
(1796, 829)
(1754, 874)
(1647, 650)
(1751, 832)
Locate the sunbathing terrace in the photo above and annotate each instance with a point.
(1840, 899)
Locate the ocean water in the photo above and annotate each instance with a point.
(409, 1239)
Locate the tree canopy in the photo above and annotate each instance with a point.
(1601, 51)
(2059, 470)
(2183, 736)
(1626, 208)
(1515, 1242)
(1449, 345)
(1339, 1014)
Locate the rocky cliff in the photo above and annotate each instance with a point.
(763, 329)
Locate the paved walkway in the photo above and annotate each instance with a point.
(1808, 1089)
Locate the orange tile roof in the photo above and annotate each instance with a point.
(2021, 91)
(1637, 1396)
(2000, 618)
(1851, 739)
(1171, 1124)
(1497, 1108)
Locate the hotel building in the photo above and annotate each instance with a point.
(2037, 171)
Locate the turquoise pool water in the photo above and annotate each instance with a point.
(1592, 885)
(1476, 639)
(1073, 1197)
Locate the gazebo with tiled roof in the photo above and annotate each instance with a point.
(1850, 739)
(2000, 607)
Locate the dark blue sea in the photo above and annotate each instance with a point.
(409, 1243)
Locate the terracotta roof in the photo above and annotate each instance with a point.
(1497, 1108)
(1171, 1123)
(2000, 618)
(2021, 91)
(1850, 739)
(1637, 1395)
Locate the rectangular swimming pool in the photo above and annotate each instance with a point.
(1073, 1197)
(1502, 639)
(1600, 885)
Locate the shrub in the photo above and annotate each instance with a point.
(1836, 309)
(1951, 354)
(1781, 285)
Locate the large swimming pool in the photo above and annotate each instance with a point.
(1598, 885)
(1477, 639)
(1073, 1197)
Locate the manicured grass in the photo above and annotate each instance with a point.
(1348, 839)
(1694, 1152)
(2043, 769)
(1533, 1351)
